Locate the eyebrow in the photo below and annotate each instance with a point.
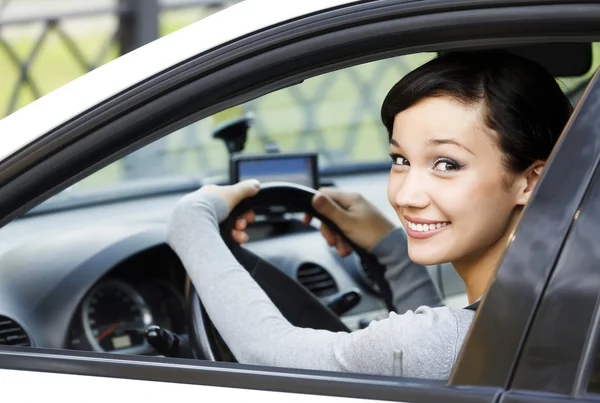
(439, 142)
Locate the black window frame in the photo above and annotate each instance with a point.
(233, 74)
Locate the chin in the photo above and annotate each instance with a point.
(426, 257)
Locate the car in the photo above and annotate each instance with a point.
(90, 172)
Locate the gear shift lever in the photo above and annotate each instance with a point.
(342, 302)
(168, 343)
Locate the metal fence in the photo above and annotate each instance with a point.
(336, 114)
(137, 24)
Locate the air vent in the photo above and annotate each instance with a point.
(317, 280)
(11, 333)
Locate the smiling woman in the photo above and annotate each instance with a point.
(460, 181)
(469, 136)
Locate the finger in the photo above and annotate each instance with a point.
(239, 236)
(244, 216)
(307, 219)
(330, 209)
(249, 216)
(339, 245)
(234, 194)
(343, 248)
(240, 224)
(341, 197)
(329, 235)
(243, 189)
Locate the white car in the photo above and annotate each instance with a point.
(90, 172)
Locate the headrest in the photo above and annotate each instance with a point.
(560, 59)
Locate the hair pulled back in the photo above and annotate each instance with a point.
(523, 104)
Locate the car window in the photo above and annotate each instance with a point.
(336, 114)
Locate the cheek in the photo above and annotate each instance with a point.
(480, 206)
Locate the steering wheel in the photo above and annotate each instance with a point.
(300, 307)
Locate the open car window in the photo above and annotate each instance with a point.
(335, 114)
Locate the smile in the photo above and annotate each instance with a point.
(426, 227)
(421, 229)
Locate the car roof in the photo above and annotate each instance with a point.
(63, 104)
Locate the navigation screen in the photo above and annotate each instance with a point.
(300, 170)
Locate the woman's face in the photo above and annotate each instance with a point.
(447, 183)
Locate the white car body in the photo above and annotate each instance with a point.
(22, 128)
(69, 388)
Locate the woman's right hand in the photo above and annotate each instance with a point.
(358, 219)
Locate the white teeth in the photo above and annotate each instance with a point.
(425, 227)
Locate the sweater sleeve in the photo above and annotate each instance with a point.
(257, 333)
(410, 283)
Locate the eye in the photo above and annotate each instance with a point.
(399, 160)
(446, 165)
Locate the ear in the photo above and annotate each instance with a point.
(528, 180)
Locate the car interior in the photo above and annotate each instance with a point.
(89, 268)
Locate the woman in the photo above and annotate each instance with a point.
(469, 135)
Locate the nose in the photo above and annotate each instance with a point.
(411, 192)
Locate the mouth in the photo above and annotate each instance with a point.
(421, 229)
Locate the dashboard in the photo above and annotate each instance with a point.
(146, 289)
(95, 278)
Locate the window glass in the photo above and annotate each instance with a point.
(335, 114)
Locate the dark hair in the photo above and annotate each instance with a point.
(523, 103)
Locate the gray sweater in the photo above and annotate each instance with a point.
(430, 338)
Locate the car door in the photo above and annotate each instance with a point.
(559, 359)
(243, 70)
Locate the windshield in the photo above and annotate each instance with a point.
(336, 115)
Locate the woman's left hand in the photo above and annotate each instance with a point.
(233, 195)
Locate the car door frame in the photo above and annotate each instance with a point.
(517, 289)
(561, 350)
(259, 64)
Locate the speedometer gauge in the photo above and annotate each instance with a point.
(115, 317)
